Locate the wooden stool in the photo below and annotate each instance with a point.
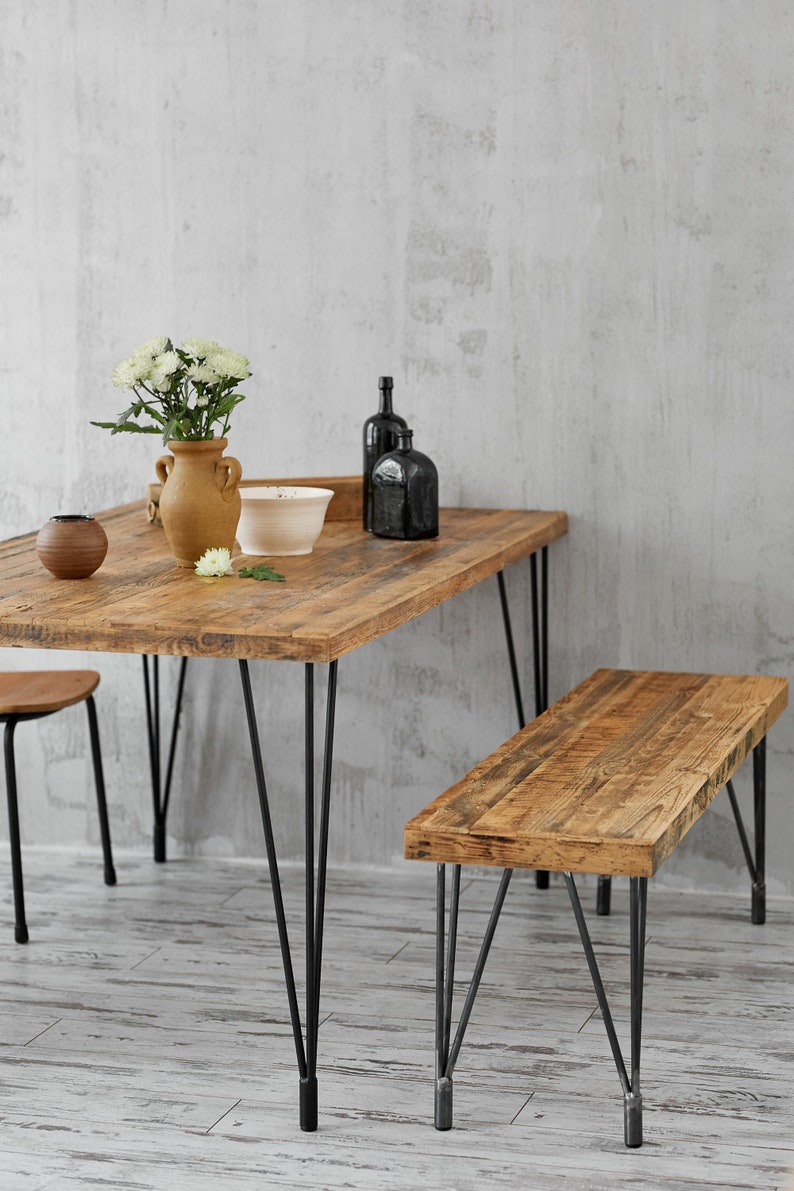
(607, 781)
(30, 696)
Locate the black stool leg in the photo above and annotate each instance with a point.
(20, 925)
(104, 826)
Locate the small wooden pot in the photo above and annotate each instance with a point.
(72, 546)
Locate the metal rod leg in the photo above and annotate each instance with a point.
(537, 632)
(604, 896)
(315, 880)
(446, 1054)
(169, 771)
(598, 985)
(308, 1082)
(632, 1100)
(511, 653)
(272, 860)
(315, 887)
(479, 968)
(540, 620)
(743, 840)
(630, 1083)
(161, 792)
(544, 638)
(540, 651)
(452, 951)
(445, 975)
(759, 806)
(99, 778)
(20, 924)
(151, 693)
(325, 817)
(442, 1050)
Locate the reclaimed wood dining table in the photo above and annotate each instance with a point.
(352, 589)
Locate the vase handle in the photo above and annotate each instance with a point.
(228, 473)
(164, 466)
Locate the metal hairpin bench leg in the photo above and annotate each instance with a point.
(632, 1098)
(447, 1049)
(755, 862)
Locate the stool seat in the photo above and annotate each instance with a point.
(38, 692)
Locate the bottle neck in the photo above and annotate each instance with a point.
(404, 438)
(385, 402)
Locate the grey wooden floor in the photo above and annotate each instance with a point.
(144, 1044)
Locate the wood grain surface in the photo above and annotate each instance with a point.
(608, 780)
(351, 589)
(32, 692)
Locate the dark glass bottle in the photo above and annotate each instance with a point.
(380, 437)
(405, 493)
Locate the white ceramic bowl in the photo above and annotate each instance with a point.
(279, 519)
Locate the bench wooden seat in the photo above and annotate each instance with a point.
(607, 781)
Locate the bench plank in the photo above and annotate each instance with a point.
(608, 780)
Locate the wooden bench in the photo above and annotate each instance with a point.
(607, 781)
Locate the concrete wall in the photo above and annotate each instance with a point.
(564, 226)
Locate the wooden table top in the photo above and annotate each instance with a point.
(608, 780)
(351, 589)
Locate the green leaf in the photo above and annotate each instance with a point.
(261, 571)
(132, 427)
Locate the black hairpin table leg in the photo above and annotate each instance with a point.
(540, 648)
(316, 856)
(161, 791)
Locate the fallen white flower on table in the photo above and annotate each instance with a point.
(214, 563)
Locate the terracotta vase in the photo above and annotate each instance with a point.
(199, 501)
(72, 546)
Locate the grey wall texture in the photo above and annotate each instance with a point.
(563, 226)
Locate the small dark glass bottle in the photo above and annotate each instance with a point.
(405, 493)
(380, 437)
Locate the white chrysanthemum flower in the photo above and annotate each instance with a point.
(203, 374)
(202, 401)
(162, 369)
(229, 364)
(201, 348)
(215, 563)
(166, 362)
(131, 372)
(152, 347)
